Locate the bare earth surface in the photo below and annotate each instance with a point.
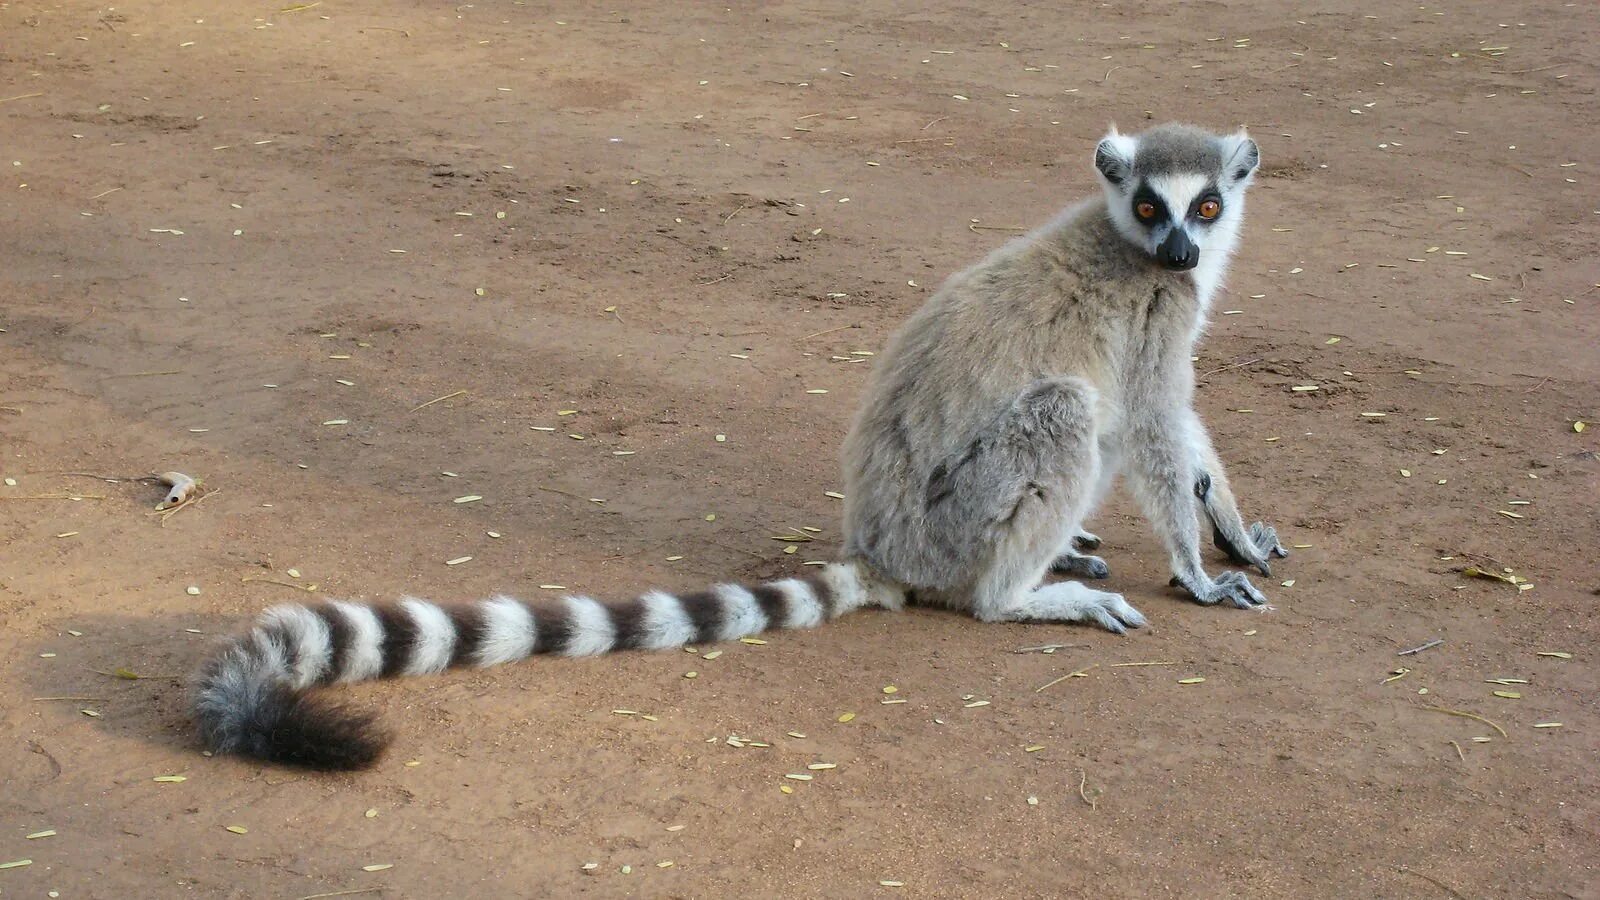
(225, 227)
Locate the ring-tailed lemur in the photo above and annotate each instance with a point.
(997, 418)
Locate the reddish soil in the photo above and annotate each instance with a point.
(658, 239)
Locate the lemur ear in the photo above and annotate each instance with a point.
(1242, 157)
(1113, 157)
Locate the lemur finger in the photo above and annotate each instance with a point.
(1081, 566)
(1266, 538)
(1083, 540)
(1124, 611)
(1238, 590)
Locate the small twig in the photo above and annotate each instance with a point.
(12, 409)
(1526, 71)
(114, 479)
(1466, 715)
(436, 400)
(1238, 365)
(1156, 663)
(366, 890)
(1081, 673)
(975, 227)
(1459, 751)
(1108, 73)
(301, 6)
(1046, 648)
(921, 140)
(55, 497)
(308, 588)
(1426, 877)
(103, 193)
(90, 699)
(1083, 783)
(386, 28)
(561, 492)
(1519, 169)
(826, 331)
(1537, 386)
(715, 280)
(933, 123)
(1418, 649)
(21, 97)
(735, 213)
(125, 675)
(146, 374)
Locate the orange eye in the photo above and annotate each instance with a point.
(1210, 209)
(1145, 210)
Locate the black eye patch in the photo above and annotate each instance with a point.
(1209, 195)
(1144, 195)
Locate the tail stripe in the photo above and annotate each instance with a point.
(664, 622)
(467, 620)
(774, 604)
(341, 636)
(397, 635)
(509, 632)
(304, 637)
(805, 611)
(365, 659)
(705, 611)
(593, 632)
(741, 613)
(435, 641)
(554, 629)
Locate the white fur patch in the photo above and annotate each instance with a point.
(311, 641)
(805, 610)
(741, 613)
(1178, 191)
(664, 623)
(436, 637)
(509, 632)
(848, 592)
(591, 631)
(364, 657)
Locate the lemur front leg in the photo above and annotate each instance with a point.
(1251, 546)
(1074, 558)
(1162, 470)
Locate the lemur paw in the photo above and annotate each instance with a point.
(1083, 540)
(1262, 544)
(1081, 566)
(1231, 587)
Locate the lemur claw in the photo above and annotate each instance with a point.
(1083, 540)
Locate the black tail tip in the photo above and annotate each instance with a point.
(305, 731)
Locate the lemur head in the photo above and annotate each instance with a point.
(1176, 191)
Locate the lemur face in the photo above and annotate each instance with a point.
(1177, 192)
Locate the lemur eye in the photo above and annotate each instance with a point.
(1210, 209)
(1145, 210)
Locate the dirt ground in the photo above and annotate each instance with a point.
(227, 227)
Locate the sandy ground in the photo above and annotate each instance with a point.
(224, 227)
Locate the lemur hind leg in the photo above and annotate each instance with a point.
(1031, 477)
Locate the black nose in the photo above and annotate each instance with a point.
(1177, 252)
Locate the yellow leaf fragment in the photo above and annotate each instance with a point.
(846, 717)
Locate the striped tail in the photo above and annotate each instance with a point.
(253, 698)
